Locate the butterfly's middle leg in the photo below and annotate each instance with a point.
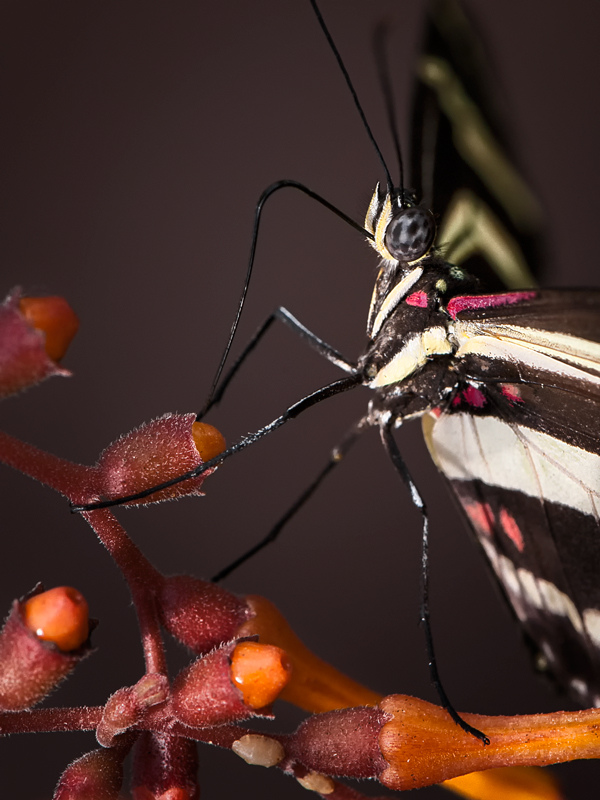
(337, 454)
(333, 356)
(283, 315)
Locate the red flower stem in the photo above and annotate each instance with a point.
(74, 481)
(47, 720)
(152, 643)
(143, 579)
(136, 569)
(226, 735)
(78, 484)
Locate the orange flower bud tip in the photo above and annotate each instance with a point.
(208, 440)
(260, 751)
(260, 671)
(315, 782)
(55, 318)
(59, 615)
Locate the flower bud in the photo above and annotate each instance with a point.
(59, 615)
(30, 667)
(97, 775)
(125, 706)
(24, 357)
(201, 615)
(204, 694)
(155, 453)
(344, 742)
(165, 767)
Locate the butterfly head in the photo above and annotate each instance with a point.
(404, 232)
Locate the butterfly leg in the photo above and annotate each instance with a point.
(337, 454)
(392, 450)
(312, 399)
(283, 315)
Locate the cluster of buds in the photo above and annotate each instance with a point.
(400, 741)
(246, 656)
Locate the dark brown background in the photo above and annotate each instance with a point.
(136, 140)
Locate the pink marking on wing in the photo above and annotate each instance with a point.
(474, 397)
(512, 530)
(481, 516)
(473, 302)
(457, 400)
(512, 392)
(417, 299)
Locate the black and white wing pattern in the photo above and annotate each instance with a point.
(519, 442)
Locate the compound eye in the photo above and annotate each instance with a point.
(410, 234)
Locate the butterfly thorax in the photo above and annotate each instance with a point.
(409, 330)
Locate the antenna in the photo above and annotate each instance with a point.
(344, 71)
(268, 192)
(380, 49)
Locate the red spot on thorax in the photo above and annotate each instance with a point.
(474, 302)
(512, 392)
(512, 530)
(481, 516)
(417, 299)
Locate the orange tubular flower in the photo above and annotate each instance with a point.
(314, 685)
(516, 783)
(422, 745)
(318, 687)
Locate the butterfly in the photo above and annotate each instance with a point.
(515, 434)
(356, 517)
(507, 383)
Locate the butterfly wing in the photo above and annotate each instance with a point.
(462, 166)
(520, 445)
